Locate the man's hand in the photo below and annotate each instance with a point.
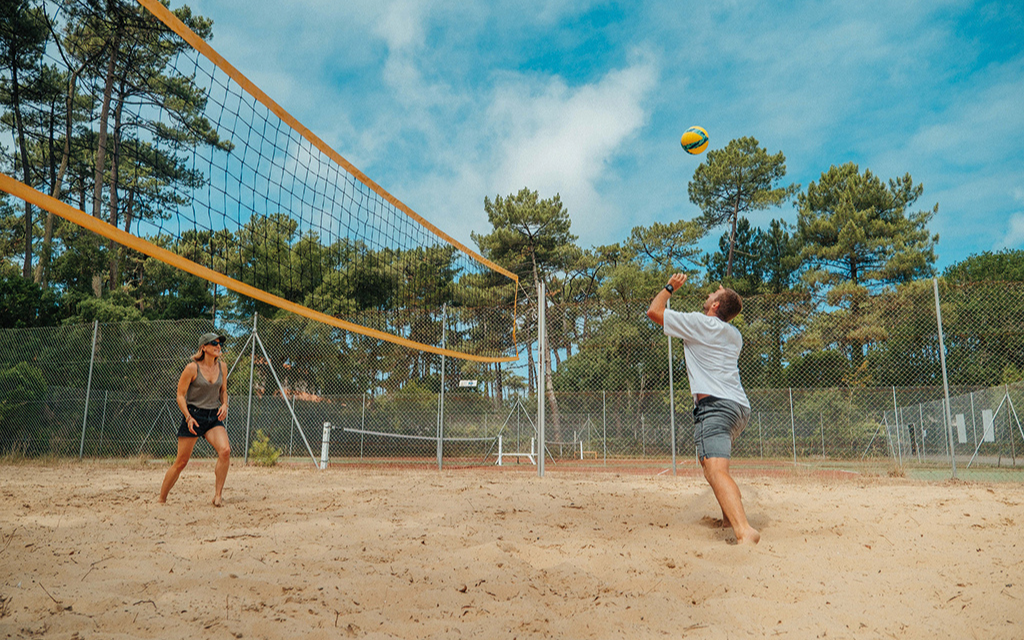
(656, 312)
(677, 280)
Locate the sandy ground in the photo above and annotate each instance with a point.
(86, 552)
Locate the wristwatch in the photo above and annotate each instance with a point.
(669, 288)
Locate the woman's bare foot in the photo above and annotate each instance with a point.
(217, 501)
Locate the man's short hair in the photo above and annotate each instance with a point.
(729, 304)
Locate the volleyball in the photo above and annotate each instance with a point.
(695, 140)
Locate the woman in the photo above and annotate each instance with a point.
(203, 400)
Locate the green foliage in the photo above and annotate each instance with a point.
(261, 452)
(1002, 266)
(116, 306)
(531, 237)
(818, 369)
(22, 390)
(763, 261)
(25, 304)
(855, 228)
(735, 181)
(667, 248)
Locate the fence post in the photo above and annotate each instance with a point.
(103, 423)
(760, 437)
(604, 424)
(541, 382)
(440, 401)
(88, 388)
(945, 379)
(821, 429)
(671, 397)
(792, 423)
(896, 419)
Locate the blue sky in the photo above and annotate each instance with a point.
(446, 102)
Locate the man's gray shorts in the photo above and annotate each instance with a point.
(717, 422)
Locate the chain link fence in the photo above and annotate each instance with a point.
(835, 386)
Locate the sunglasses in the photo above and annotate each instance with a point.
(215, 343)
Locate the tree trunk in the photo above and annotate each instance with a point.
(101, 139)
(114, 248)
(42, 265)
(732, 236)
(101, 147)
(19, 124)
(531, 376)
(499, 391)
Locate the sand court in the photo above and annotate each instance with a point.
(86, 552)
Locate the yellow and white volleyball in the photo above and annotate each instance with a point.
(695, 140)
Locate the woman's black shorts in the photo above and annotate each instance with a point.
(207, 419)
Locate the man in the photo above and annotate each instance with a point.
(712, 347)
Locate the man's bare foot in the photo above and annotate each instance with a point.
(714, 523)
(750, 536)
(217, 501)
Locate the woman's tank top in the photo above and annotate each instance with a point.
(202, 393)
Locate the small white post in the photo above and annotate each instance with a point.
(325, 446)
(499, 449)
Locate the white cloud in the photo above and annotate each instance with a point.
(554, 138)
(1014, 238)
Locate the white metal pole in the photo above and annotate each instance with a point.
(362, 427)
(440, 408)
(284, 396)
(671, 398)
(920, 418)
(792, 423)
(541, 382)
(88, 388)
(896, 419)
(945, 379)
(252, 366)
(604, 425)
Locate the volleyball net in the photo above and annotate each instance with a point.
(165, 150)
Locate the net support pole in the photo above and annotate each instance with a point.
(88, 388)
(541, 382)
(252, 365)
(671, 397)
(284, 397)
(945, 378)
(440, 405)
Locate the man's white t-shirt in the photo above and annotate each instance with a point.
(712, 351)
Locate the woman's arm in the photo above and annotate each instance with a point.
(223, 411)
